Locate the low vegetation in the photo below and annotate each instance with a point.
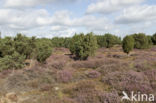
(82, 69)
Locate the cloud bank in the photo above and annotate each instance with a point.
(49, 18)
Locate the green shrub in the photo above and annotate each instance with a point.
(83, 45)
(43, 50)
(141, 41)
(154, 39)
(150, 43)
(67, 42)
(58, 41)
(61, 42)
(14, 51)
(128, 44)
(108, 40)
(101, 40)
(6, 46)
(24, 45)
(14, 61)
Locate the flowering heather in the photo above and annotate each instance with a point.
(128, 81)
(64, 76)
(93, 74)
(99, 79)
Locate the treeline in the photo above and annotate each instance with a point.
(138, 41)
(15, 50)
(107, 40)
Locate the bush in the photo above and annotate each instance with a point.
(101, 41)
(43, 50)
(24, 45)
(149, 40)
(111, 40)
(24, 48)
(107, 40)
(83, 46)
(154, 39)
(14, 61)
(58, 42)
(141, 41)
(128, 44)
(6, 46)
(61, 42)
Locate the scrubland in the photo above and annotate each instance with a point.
(99, 79)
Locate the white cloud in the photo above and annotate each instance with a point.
(25, 3)
(109, 6)
(62, 18)
(19, 16)
(21, 21)
(29, 19)
(26, 20)
(58, 28)
(18, 19)
(31, 3)
(137, 14)
(93, 23)
(66, 33)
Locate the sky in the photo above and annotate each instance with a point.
(64, 18)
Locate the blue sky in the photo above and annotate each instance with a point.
(49, 18)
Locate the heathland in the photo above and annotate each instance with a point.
(82, 69)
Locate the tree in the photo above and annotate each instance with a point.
(154, 39)
(128, 44)
(83, 46)
(141, 41)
